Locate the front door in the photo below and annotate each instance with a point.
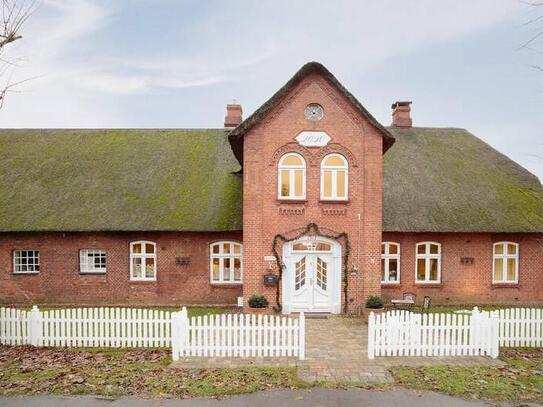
(310, 283)
(311, 279)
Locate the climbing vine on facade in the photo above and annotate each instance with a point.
(312, 229)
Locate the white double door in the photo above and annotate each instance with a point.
(311, 282)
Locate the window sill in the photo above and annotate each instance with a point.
(143, 281)
(28, 273)
(291, 201)
(390, 285)
(334, 201)
(429, 285)
(92, 273)
(505, 285)
(226, 285)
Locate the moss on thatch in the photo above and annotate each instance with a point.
(97, 180)
(436, 180)
(448, 180)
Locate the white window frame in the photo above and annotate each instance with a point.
(222, 256)
(427, 256)
(386, 256)
(36, 255)
(334, 169)
(142, 256)
(86, 267)
(291, 173)
(505, 257)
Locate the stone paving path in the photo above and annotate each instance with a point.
(337, 350)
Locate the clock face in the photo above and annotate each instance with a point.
(314, 112)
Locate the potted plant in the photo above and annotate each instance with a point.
(374, 304)
(258, 304)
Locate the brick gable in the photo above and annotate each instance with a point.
(264, 216)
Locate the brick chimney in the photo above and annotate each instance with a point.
(233, 114)
(401, 114)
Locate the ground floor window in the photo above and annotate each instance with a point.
(26, 261)
(92, 261)
(390, 263)
(142, 261)
(505, 269)
(226, 262)
(428, 266)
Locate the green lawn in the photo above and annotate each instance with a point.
(520, 381)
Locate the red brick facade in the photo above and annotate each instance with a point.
(470, 283)
(60, 282)
(264, 216)
(358, 220)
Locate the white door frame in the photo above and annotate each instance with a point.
(334, 277)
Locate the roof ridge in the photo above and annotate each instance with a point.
(236, 135)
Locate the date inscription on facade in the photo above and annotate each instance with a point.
(313, 138)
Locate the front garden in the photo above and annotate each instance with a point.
(26, 370)
(521, 380)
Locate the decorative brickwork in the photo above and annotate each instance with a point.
(291, 210)
(333, 211)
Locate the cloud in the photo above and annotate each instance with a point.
(85, 52)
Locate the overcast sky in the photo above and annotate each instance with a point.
(169, 63)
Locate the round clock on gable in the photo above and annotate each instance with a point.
(314, 112)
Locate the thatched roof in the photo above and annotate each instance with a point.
(443, 180)
(448, 180)
(100, 180)
(236, 135)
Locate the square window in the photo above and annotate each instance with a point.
(92, 261)
(26, 261)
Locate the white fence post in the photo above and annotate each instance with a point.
(35, 327)
(301, 348)
(180, 332)
(474, 330)
(176, 335)
(494, 337)
(371, 336)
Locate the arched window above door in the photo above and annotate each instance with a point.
(291, 177)
(334, 178)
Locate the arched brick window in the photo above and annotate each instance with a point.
(334, 178)
(226, 262)
(142, 261)
(428, 266)
(390, 263)
(505, 266)
(291, 177)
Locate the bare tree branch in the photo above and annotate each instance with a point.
(14, 13)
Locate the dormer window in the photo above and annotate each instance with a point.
(291, 177)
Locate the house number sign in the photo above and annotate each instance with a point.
(313, 138)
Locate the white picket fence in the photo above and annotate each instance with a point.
(86, 327)
(14, 327)
(520, 326)
(403, 333)
(107, 327)
(227, 335)
(237, 335)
